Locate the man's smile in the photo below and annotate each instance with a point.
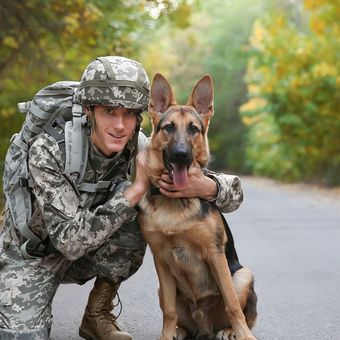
(116, 136)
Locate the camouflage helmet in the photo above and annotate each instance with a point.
(114, 81)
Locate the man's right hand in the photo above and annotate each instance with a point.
(141, 183)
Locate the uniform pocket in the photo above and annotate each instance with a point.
(6, 297)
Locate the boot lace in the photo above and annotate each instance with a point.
(108, 316)
(118, 303)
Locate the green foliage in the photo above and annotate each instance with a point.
(294, 99)
(43, 41)
(290, 123)
(215, 43)
(230, 28)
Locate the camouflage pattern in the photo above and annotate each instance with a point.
(95, 87)
(93, 233)
(39, 112)
(229, 192)
(35, 334)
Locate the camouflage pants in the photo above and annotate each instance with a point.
(27, 287)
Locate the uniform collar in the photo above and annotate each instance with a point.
(101, 163)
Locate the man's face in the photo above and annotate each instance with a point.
(113, 128)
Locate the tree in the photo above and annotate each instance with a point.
(43, 41)
(215, 43)
(293, 82)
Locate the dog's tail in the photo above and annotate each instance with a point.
(230, 251)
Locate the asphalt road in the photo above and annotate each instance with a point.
(289, 236)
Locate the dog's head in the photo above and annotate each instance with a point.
(179, 133)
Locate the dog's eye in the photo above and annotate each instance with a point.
(193, 129)
(169, 128)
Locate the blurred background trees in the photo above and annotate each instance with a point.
(276, 62)
(43, 41)
(215, 43)
(293, 112)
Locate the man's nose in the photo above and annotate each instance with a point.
(118, 122)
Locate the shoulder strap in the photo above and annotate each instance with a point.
(142, 143)
(76, 144)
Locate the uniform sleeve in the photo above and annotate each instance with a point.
(73, 230)
(229, 192)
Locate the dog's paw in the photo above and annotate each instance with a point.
(226, 334)
(181, 333)
(164, 337)
(229, 334)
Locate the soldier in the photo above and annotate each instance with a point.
(94, 235)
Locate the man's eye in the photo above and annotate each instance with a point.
(169, 128)
(131, 113)
(193, 129)
(109, 110)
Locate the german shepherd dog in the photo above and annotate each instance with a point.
(204, 291)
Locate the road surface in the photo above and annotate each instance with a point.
(288, 235)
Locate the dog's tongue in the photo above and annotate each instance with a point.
(179, 175)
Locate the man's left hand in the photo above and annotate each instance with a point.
(198, 185)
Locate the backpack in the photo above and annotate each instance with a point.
(54, 111)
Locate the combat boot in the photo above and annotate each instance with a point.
(98, 322)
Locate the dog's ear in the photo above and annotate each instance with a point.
(202, 97)
(161, 95)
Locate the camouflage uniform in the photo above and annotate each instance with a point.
(93, 233)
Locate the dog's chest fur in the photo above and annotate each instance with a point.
(168, 216)
(174, 229)
(193, 276)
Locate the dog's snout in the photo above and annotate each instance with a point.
(181, 154)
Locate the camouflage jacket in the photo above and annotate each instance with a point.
(80, 222)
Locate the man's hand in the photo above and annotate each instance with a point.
(198, 185)
(141, 183)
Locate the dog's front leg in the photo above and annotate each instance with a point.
(167, 299)
(219, 267)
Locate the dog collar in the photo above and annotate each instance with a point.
(154, 190)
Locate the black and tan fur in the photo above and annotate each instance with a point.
(204, 291)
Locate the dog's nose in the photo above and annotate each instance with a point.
(180, 154)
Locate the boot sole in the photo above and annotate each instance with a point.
(86, 335)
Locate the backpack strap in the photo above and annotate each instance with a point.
(107, 183)
(23, 209)
(33, 249)
(94, 187)
(36, 111)
(76, 144)
(56, 129)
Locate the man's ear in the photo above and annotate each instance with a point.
(202, 97)
(86, 110)
(161, 96)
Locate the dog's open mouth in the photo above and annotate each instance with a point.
(178, 172)
(179, 175)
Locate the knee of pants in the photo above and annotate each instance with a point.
(137, 260)
(115, 261)
(27, 288)
(121, 264)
